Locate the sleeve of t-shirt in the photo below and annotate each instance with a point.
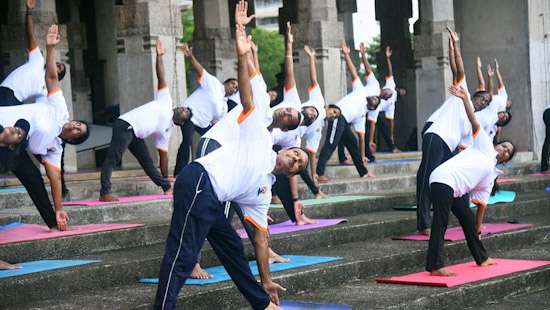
(357, 85)
(163, 94)
(53, 156)
(57, 100)
(372, 115)
(481, 194)
(464, 85)
(502, 92)
(390, 111)
(36, 58)
(483, 143)
(291, 95)
(372, 81)
(390, 83)
(256, 215)
(359, 124)
(162, 140)
(313, 135)
(315, 95)
(258, 114)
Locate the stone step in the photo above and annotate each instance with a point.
(122, 262)
(529, 299)
(362, 261)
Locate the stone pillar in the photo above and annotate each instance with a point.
(316, 24)
(346, 8)
(139, 24)
(213, 44)
(433, 74)
(14, 46)
(393, 16)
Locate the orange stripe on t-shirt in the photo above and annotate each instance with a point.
(53, 91)
(474, 134)
(51, 165)
(251, 221)
(243, 115)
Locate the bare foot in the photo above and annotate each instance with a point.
(275, 199)
(368, 175)
(107, 198)
(396, 150)
(425, 232)
(346, 162)
(321, 195)
(199, 273)
(276, 258)
(270, 219)
(304, 220)
(169, 192)
(323, 179)
(273, 306)
(7, 266)
(442, 272)
(488, 262)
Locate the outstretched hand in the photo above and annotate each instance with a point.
(241, 13)
(458, 91)
(289, 35)
(479, 65)
(160, 48)
(187, 51)
(454, 35)
(53, 37)
(309, 51)
(389, 52)
(244, 42)
(62, 220)
(497, 67)
(490, 70)
(254, 47)
(30, 4)
(272, 289)
(345, 48)
(362, 48)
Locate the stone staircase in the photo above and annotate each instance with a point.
(364, 242)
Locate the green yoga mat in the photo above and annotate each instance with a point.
(499, 197)
(328, 200)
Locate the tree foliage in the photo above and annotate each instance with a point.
(271, 50)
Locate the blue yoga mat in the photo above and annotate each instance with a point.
(43, 265)
(500, 197)
(328, 200)
(11, 190)
(548, 189)
(220, 275)
(10, 226)
(297, 305)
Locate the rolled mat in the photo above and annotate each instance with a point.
(220, 275)
(328, 200)
(467, 273)
(42, 265)
(288, 226)
(128, 199)
(30, 232)
(297, 305)
(456, 233)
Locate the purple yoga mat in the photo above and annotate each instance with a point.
(288, 226)
(129, 199)
(456, 233)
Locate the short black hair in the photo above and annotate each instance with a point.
(82, 138)
(483, 93)
(61, 75)
(335, 107)
(502, 124)
(230, 80)
(513, 152)
(379, 100)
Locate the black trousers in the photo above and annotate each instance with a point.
(384, 130)
(188, 129)
(7, 97)
(368, 153)
(546, 146)
(198, 215)
(434, 152)
(444, 203)
(341, 132)
(124, 138)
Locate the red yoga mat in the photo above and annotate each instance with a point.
(29, 232)
(541, 174)
(288, 226)
(129, 199)
(456, 233)
(467, 273)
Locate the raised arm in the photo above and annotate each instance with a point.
(312, 67)
(388, 61)
(251, 62)
(480, 78)
(452, 61)
(499, 76)
(349, 62)
(161, 76)
(29, 26)
(242, 43)
(256, 57)
(490, 74)
(364, 59)
(52, 39)
(463, 94)
(290, 81)
(460, 75)
(188, 52)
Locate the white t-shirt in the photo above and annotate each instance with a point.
(372, 86)
(207, 102)
(450, 122)
(354, 106)
(46, 121)
(286, 139)
(153, 118)
(472, 171)
(28, 82)
(386, 105)
(313, 133)
(240, 170)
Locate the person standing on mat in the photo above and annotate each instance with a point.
(546, 145)
(469, 175)
(50, 127)
(350, 110)
(130, 130)
(442, 134)
(206, 106)
(241, 171)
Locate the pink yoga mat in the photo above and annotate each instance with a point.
(505, 180)
(541, 174)
(456, 233)
(29, 232)
(288, 226)
(129, 199)
(467, 273)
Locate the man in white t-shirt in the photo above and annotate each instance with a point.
(241, 170)
(50, 127)
(349, 111)
(156, 119)
(472, 172)
(26, 83)
(206, 105)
